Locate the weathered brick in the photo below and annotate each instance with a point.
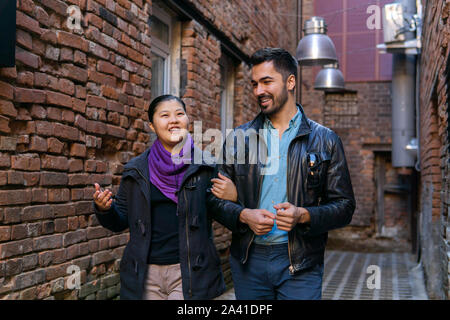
(115, 131)
(78, 150)
(15, 248)
(5, 233)
(75, 165)
(47, 242)
(59, 99)
(53, 179)
(38, 144)
(33, 213)
(54, 145)
(58, 195)
(65, 132)
(84, 207)
(29, 279)
(64, 210)
(54, 162)
(72, 40)
(27, 58)
(29, 95)
(75, 73)
(28, 23)
(7, 108)
(29, 162)
(6, 90)
(11, 197)
(74, 237)
(8, 143)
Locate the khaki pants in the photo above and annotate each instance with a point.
(163, 282)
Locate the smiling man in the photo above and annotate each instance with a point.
(281, 220)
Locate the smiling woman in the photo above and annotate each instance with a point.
(163, 202)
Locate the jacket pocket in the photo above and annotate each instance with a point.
(317, 167)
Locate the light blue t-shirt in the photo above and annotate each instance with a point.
(274, 186)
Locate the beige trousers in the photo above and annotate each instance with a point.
(163, 282)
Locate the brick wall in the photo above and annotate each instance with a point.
(73, 112)
(434, 148)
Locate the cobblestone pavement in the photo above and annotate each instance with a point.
(347, 277)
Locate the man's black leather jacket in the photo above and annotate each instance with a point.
(317, 179)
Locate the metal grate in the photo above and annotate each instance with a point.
(346, 277)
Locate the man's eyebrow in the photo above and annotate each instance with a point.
(265, 78)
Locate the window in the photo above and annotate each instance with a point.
(226, 92)
(163, 28)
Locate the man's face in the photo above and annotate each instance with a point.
(269, 88)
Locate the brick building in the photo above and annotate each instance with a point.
(73, 112)
(434, 199)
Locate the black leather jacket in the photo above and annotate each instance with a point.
(324, 189)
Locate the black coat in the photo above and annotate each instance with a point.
(327, 193)
(200, 264)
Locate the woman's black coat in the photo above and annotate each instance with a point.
(200, 264)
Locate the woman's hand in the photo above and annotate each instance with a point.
(224, 188)
(102, 198)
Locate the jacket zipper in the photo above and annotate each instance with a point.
(291, 266)
(187, 242)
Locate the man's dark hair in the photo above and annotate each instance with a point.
(283, 61)
(155, 103)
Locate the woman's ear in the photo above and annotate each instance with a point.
(151, 127)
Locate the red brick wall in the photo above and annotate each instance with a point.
(434, 148)
(73, 112)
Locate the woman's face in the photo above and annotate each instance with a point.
(170, 123)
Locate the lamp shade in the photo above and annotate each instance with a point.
(316, 48)
(330, 79)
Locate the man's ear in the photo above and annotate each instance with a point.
(291, 82)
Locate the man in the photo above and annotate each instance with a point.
(281, 218)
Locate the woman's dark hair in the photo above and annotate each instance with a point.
(283, 61)
(160, 99)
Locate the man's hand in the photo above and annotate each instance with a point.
(289, 215)
(102, 198)
(259, 220)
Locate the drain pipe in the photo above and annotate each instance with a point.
(403, 101)
(418, 71)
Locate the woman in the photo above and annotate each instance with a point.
(162, 200)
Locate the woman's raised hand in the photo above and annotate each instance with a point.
(224, 188)
(103, 199)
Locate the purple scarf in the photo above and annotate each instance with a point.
(167, 171)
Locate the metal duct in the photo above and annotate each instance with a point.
(403, 101)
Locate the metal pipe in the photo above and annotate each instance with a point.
(403, 101)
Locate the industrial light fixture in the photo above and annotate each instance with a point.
(316, 48)
(330, 79)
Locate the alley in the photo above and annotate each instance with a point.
(346, 277)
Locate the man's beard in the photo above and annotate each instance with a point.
(277, 103)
